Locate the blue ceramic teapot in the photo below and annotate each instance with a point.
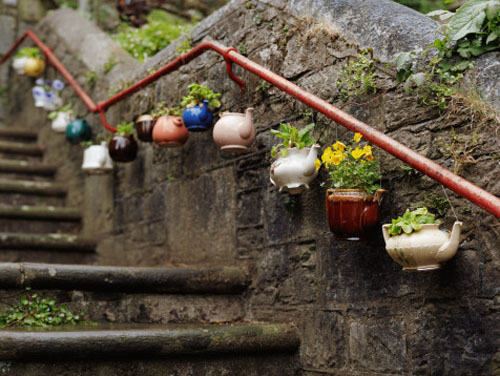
(197, 119)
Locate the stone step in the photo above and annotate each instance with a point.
(18, 134)
(44, 219)
(23, 170)
(231, 349)
(47, 242)
(26, 192)
(132, 294)
(11, 147)
(49, 248)
(165, 280)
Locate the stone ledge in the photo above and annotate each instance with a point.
(32, 187)
(25, 167)
(20, 148)
(147, 341)
(42, 242)
(21, 134)
(47, 213)
(172, 280)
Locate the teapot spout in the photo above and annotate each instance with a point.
(246, 127)
(449, 249)
(309, 166)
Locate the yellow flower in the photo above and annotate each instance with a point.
(317, 163)
(357, 153)
(337, 158)
(369, 156)
(367, 149)
(339, 146)
(357, 136)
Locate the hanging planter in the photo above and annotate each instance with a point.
(77, 131)
(28, 61)
(352, 212)
(144, 127)
(234, 132)
(18, 64)
(62, 118)
(415, 241)
(198, 116)
(169, 129)
(96, 159)
(353, 206)
(122, 147)
(296, 165)
(47, 94)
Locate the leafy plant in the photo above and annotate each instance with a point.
(91, 78)
(125, 129)
(292, 138)
(35, 311)
(197, 94)
(263, 87)
(242, 49)
(29, 52)
(161, 110)
(185, 45)
(473, 30)
(460, 148)
(109, 65)
(352, 168)
(161, 29)
(358, 77)
(53, 115)
(411, 221)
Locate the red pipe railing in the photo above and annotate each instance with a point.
(463, 187)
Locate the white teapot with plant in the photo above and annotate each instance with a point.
(415, 241)
(297, 164)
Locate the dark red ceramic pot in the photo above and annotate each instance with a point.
(122, 148)
(144, 128)
(352, 213)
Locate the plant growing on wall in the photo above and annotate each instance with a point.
(358, 77)
(473, 30)
(35, 311)
(161, 29)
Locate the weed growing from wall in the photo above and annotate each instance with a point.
(358, 77)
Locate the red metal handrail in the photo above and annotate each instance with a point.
(454, 182)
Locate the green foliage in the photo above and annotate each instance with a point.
(460, 148)
(263, 87)
(292, 138)
(358, 77)
(423, 6)
(52, 115)
(124, 129)
(411, 221)
(162, 28)
(160, 109)
(86, 144)
(29, 52)
(185, 46)
(35, 311)
(350, 168)
(67, 3)
(197, 94)
(109, 65)
(91, 78)
(473, 30)
(242, 49)
(438, 204)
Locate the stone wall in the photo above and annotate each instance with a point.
(357, 312)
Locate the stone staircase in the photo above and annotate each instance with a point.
(152, 320)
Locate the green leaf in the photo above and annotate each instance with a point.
(469, 18)
(493, 36)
